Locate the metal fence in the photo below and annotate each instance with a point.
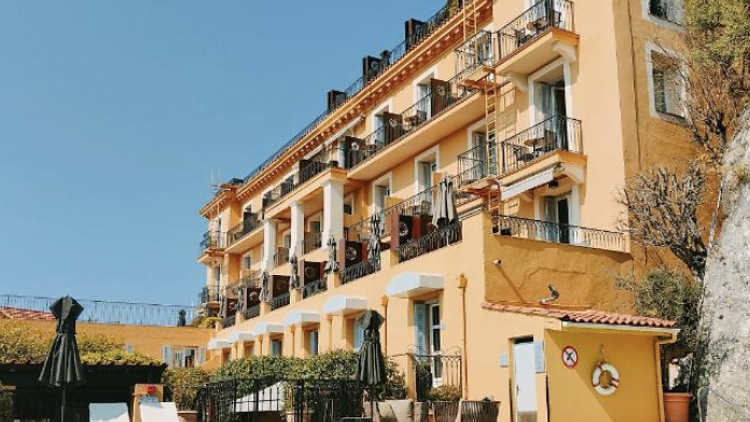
(280, 301)
(313, 288)
(359, 270)
(547, 231)
(213, 240)
(477, 51)
(534, 22)
(243, 229)
(429, 242)
(104, 312)
(250, 400)
(434, 370)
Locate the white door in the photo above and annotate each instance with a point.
(524, 375)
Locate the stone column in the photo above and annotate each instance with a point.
(269, 243)
(298, 228)
(333, 210)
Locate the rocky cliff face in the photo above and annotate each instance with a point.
(725, 358)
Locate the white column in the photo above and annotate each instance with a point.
(298, 228)
(333, 210)
(269, 243)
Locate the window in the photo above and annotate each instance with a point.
(380, 128)
(668, 90)
(313, 342)
(276, 347)
(356, 334)
(424, 101)
(426, 167)
(129, 348)
(249, 349)
(668, 10)
(428, 337)
(380, 194)
(349, 205)
(315, 226)
(557, 210)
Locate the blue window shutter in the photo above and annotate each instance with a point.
(420, 327)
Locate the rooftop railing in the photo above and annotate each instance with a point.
(534, 22)
(307, 171)
(546, 231)
(558, 133)
(394, 127)
(100, 311)
(390, 57)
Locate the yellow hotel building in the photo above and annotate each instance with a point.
(533, 113)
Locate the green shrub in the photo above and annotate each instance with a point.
(6, 405)
(260, 367)
(444, 393)
(184, 384)
(204, 322)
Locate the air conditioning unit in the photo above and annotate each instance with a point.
(312, 271)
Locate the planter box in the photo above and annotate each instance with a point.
(187, 416)
(293, 417)
(445, 411)
(479, 411)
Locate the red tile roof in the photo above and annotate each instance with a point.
(20, 313)
(588, 316)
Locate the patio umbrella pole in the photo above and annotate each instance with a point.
(62, 405)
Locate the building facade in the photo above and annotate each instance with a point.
(528, 116)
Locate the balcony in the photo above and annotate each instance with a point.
(475, 57)
(281, 256)
(431, 241)
(438, 113)
(252, 311)
(245, 234)
(538, 142)
(359, 270)
(312, 242)
(314, 288)
(280, 301)
(545, 231)
(538, 36)
(212, 245)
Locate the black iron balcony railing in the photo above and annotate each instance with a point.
(359, 270)
(229, 321)
(281, 256)
(532, 23)
(307, 171)
(280, 301)
(473, 164)
(236, 233)
(390, 57)
(546, 231)
(440, 238)
(252, 311)
(313, 288)
(104, 312)
(310, 169)
(478, 50)
(312, 242)
(213, 240)
(553, 134)
(444, 95)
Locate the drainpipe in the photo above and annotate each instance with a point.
(462, 281)
(384, 303)
(657, 353)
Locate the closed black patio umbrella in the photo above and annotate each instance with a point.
(294, 278)
(265, 291)
(332, 265)
(373, 245)
(371, 367)
(63, 367)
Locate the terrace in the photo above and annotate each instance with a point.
(545, 231)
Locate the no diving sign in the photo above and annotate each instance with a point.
(569, 357)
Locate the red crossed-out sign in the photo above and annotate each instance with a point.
(570, 356)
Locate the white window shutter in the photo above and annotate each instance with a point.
(201, 355)
(166, 355)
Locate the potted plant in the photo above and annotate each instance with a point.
(444, 401)
(183, 384)
(668, 294)
(6, 404)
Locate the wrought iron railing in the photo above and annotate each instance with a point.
(229, 321)
(280, 301)
(434, 370)
(281, 256)
(312, 242)
(472, 165)
(477, 51)
(546, 231)
(359, 270)
(554, 134)
(534, 22)
(213, 240)
(207, 295)
(103, 312)
(252, 311)
(312, 169)
(243, 229)
(391, 57)
(429, 242)
(314, 288)
(253, 399)
(397, 126)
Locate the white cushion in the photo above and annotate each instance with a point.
(158, 412)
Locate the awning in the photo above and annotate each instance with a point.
(267, 328)
(241, 336)
(344, 304)
(406, 285)
(529, 183)
(301, 317)
(219, 344)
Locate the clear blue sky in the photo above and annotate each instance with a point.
(113, 115)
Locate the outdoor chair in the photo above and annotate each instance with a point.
(108, 412)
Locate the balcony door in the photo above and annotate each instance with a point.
(551, 99)
(557, 210)
(428, 338)
(524, 375)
